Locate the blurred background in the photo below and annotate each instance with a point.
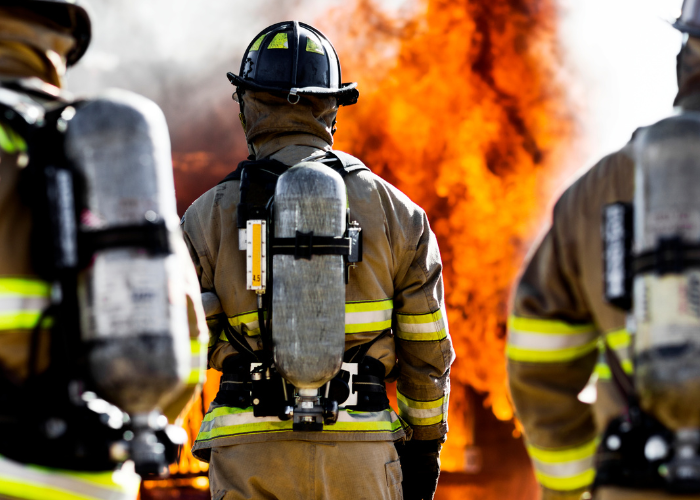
(482, 111)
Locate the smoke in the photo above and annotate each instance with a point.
(177, 53)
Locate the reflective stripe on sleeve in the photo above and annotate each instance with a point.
(417, 412)
(370, 316)
(619, 341)
(246, 322)
(10, 141)
(227, 421)
(564, 469)
(548, 341)
(422, 327)
(22, 302)
(198, 363)
(31, 482)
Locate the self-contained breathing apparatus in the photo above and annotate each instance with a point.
(294, 225)
(98, 181)
(652, 269)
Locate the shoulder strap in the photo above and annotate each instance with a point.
(342, 163)
(272, 166)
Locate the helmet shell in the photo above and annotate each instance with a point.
(689, 22)
(294, 58)
(67, 13)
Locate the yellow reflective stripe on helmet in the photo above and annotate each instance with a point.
(31, 482)
(417, 412)
(313, 46)
(198, 361)
(257, 43)
(369, 316)
(422, 327)
(226, 422)
(564, 469)
(279, 42)
(548, 341)
(24, 287)
(10, 141)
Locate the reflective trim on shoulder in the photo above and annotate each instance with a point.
(368, 316)
(619, 341)
(22, 302)
(428, 327)
(548, 341)
(10, 141)
(564, 469)
(198, 362)
(225, 421)
(417, 412)
(31, 482)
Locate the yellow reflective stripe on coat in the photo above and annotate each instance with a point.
(417, 412)
(368, 316)
(22, 302)
(198, 362)
(619, 341)
(246, 322)
(360, 317)
(428, 327)
(564, 469)
(10, 141)
(31, 482)
(548, 341)
(225, 421)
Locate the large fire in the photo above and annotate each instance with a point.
(462, 110)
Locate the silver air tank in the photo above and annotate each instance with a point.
(132, 297)
(308, 303)
(666, 287)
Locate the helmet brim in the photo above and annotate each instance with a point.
(346, 94)
(693, 31)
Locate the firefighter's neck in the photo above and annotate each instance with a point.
(285, 147)
(29, 50)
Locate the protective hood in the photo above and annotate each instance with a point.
(272, 123)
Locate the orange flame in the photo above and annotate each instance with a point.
(460, 108)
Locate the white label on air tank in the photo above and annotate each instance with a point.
(130, 295)
(666, 310)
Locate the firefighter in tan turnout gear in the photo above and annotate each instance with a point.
(635, 441)
(83, 342)
(288, 422)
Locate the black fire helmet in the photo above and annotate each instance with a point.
(295, 59)
(67, 13)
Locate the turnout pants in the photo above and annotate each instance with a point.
(306, 470)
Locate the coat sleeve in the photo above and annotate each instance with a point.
(423, 344)
(551, 352)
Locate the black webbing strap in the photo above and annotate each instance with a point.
(622, 381)
(152, 236)
(304, 245)
(237, 340)
(357, 354)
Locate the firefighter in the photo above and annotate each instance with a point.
(45, 453)
(395, 328)
(561, 324)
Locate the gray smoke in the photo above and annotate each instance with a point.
(177, 52)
